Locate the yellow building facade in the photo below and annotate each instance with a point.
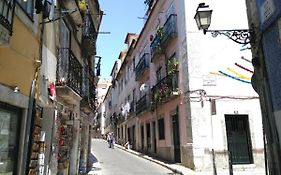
(19, 60)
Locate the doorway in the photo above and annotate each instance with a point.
(239, 139)
(154, 137)
(176, 138)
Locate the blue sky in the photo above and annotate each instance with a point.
(120, 17)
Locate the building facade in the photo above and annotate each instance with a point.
(186, 97)
(102, 90)
(48, 96)
(266, 50)
(19, 62)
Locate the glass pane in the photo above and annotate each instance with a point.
(8, 137)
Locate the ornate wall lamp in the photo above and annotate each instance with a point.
(203, 21)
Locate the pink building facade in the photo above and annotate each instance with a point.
(180, 95)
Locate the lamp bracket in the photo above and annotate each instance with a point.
(240, 36)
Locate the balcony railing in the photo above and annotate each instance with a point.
(155, 47)
(88, 103)
(169, 29)
(163, 35)
(132, 107)
(69, 71)
(143, 103)
(142, 65)
(92, 95)
(89, 36)
(165, 88)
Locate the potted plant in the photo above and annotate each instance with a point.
(172, 65)
(176, 92)
(157, 96)
(160, 32)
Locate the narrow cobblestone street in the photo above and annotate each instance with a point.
(108, 161)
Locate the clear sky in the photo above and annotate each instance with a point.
(121, 17)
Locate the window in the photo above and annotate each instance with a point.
(148, 144)
(27, 6)
(161, 129)
(9, 138)
(158, 74)
(6, 19)
(238, 139)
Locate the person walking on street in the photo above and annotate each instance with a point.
(110, 140)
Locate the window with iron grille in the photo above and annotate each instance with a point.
(161, 129)
(239, 139)
(6, 16)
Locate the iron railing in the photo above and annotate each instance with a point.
(155, 47)
(143, 103)
(69, 70)
(88, 90)
(142, 65)
(6, 14)
(163, 90)
(92, 95)
(89, 35)
(169, 29)
(132, 107)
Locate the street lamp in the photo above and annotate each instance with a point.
(203, 21)
(203, 17)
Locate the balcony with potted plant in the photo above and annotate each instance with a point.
(155, 47)
(165, 89)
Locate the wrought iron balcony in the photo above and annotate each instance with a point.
(89, 36)
(169, 29)
(155, 47)
(88, 103)
(132, 107)
(69, 71)
(92, 95)
(142, 65)
(6, 20)
(165, 89)
(143, 103)
(77, 18)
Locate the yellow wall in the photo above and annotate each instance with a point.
(17, 66)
